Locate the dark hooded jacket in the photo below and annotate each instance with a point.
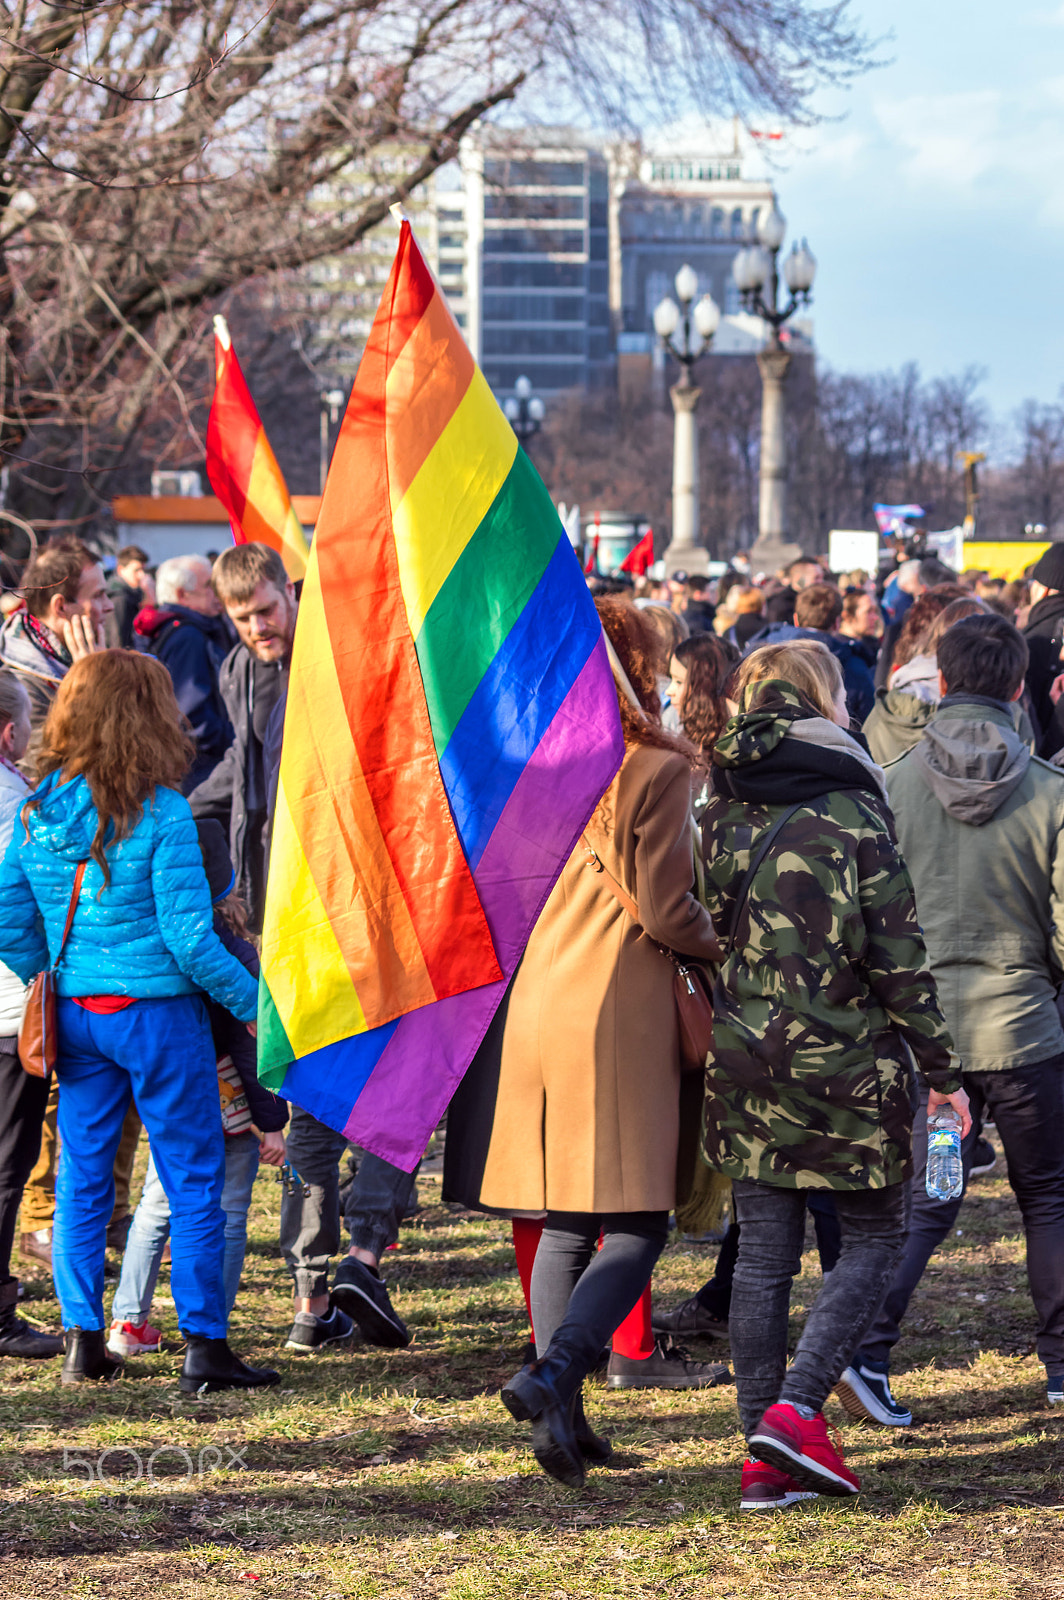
(192, 648)
(980, 821)
(827, 987)
(237, 791)
(1044, 633)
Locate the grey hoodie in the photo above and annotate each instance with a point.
(971, 765)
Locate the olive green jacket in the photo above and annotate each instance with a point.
(979, 822)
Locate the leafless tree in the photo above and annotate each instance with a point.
(158, 154)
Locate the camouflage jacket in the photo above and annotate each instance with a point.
(809, 1082)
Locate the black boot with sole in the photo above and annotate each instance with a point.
(87, 1357)
(210, 1365)
(19, 1338)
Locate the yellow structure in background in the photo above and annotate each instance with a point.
(1003, 558)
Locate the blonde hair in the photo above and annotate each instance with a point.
(746, 602)
(805, 663)
(669, 629)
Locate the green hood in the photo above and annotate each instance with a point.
(766, 712)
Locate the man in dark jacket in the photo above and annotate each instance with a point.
(1044, 633)
(259, 597)
(186, 632)
(128, 593)
(981, 826)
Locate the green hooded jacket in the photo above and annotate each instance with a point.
(809, 1082)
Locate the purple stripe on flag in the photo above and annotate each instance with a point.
(424, 1061)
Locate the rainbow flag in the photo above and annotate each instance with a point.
(451, 725)
(242, 467)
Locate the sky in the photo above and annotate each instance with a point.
(935, 205)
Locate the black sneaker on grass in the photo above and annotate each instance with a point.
(864, 1391)
(670, 1367)
(361, 1293)
(690, 1320)
(310, 1333)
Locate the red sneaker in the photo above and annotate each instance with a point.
(803, 1450)
(766, 1488)
(129, 1339)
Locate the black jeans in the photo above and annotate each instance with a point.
(715, 1294)
(310, 1224)
(22, 1103)
(772, 1224)
(580, 1294)
(1027, 1107)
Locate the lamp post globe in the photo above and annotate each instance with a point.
(524, 410)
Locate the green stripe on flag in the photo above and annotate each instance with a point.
(275, 1054)
(484, 594)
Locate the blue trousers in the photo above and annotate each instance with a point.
(159, 1053)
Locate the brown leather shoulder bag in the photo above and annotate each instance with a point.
(37, 1044)
(690, 986)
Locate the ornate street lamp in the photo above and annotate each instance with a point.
(756, 273)
(686, 331)
(524, 410)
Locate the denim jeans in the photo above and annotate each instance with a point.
(310, 1224)
(772, 1230)
(1027, 1107)
(150, 1230)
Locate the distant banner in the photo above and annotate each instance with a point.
(897, 519)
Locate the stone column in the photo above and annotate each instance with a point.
(685, 547)
(772, 547)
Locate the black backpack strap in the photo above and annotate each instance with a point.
(765, 844)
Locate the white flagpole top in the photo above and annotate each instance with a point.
(398, 213)
(221, 328)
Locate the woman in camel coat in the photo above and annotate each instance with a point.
(572, 1106)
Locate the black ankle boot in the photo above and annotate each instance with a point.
(18, 1338)
(542, 1393)
(210, 1365)
(596, 1450)
(87, 1356)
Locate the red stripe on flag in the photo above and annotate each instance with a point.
(233, 429)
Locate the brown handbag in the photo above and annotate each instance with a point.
(37, 1044)
(690, 987)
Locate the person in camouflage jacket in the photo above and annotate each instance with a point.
(809, 1082)
(824, 991)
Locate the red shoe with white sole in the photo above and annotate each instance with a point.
(766, 1488)
(129, 1339)
(803, 1450)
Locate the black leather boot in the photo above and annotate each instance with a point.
(18, 1338)
(542, 1393)
(210, 1365)
(87, 1356)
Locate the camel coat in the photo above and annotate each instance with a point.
(573, 1101)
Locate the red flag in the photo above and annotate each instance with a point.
(592, 560)
(641, 556)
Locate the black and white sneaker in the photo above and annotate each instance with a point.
(362, 1293)
(864, 1392)
(984, 1158)
(310, 1333)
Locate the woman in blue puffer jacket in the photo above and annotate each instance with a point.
(131, 1017)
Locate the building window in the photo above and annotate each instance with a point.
(533, 275)
(532, 242)
(737, 229)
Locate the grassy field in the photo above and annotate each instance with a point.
(372, 1474)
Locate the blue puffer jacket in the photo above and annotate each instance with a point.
(150, 935)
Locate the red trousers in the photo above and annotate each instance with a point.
(633, 1338)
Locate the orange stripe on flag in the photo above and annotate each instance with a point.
(425, 386)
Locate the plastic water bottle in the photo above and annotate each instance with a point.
(945, 1174)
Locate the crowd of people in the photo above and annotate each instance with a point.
(839, 804)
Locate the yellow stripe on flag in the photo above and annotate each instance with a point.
(307, 977)
(268, 515)
(451, 494)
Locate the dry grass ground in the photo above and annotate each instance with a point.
(373, 1474)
